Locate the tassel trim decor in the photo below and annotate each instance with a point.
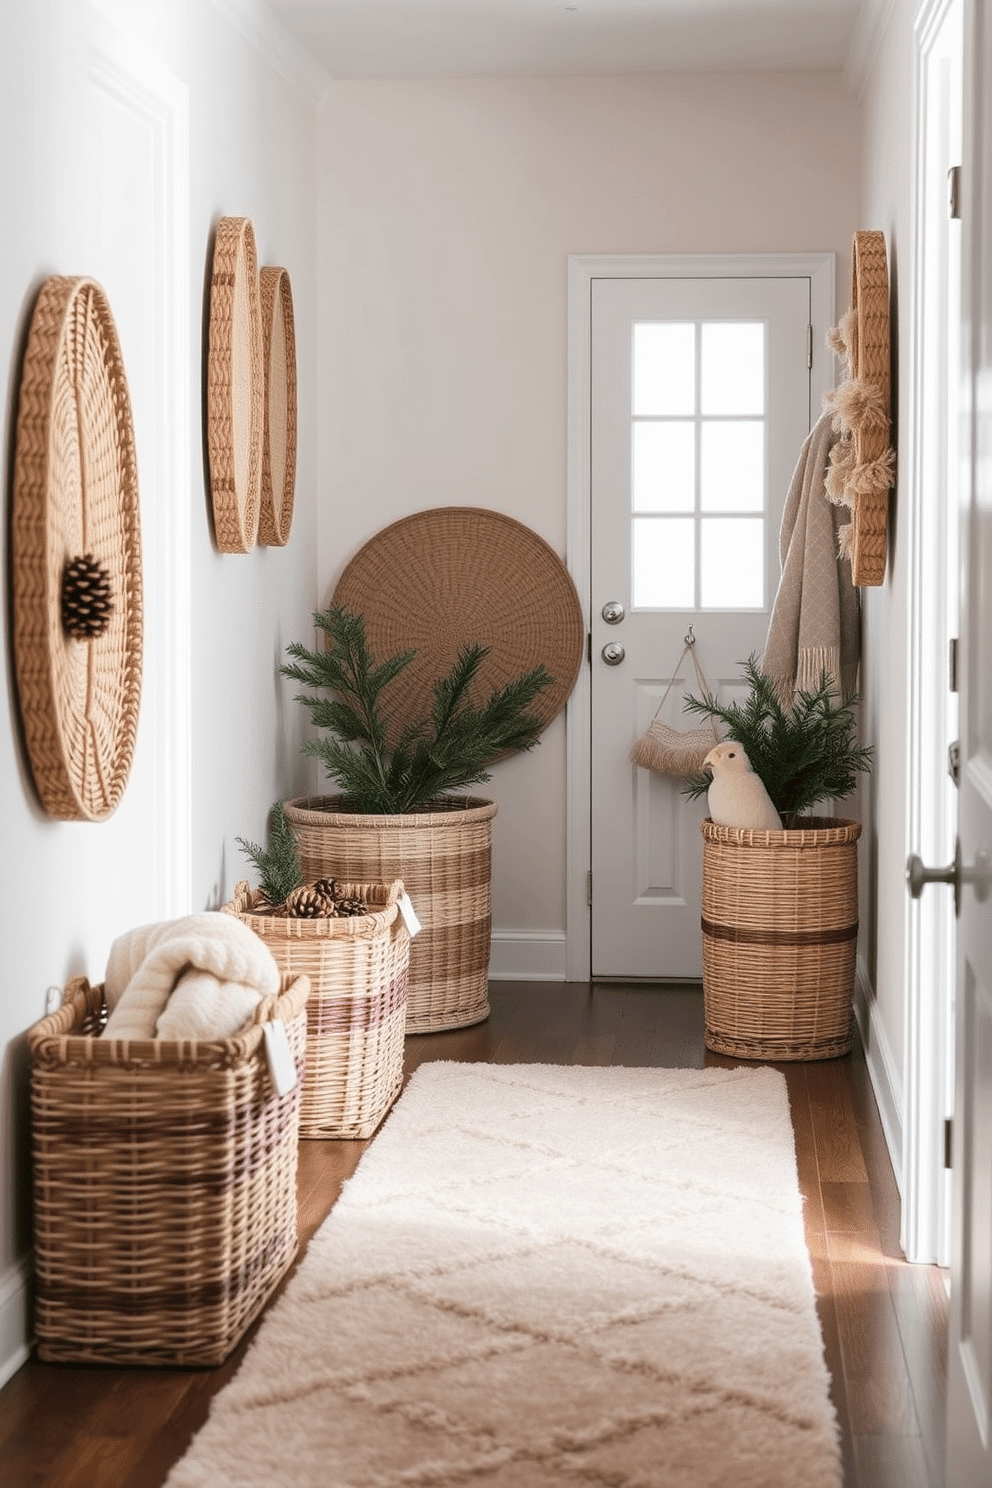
(862, 461)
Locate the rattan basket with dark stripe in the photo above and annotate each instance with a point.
(164, 1185)
(444, 857)
(358, 967)
(780, 929)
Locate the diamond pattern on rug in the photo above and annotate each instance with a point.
(543, 1275)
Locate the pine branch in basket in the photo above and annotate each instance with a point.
(445, 750)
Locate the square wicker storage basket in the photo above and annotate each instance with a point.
(164, 1184)
(358, 968)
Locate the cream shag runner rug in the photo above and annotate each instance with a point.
(543, 1276)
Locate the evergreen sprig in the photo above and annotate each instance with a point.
(443, 751)
(278, 865)
(804, 754)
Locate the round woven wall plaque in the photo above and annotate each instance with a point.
(870, 364)
(76, 550)
(456, 575)
(279, 446)
(235, 387)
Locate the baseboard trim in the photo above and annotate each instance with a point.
(15, 1317)
(886, 1081)
(528, 956)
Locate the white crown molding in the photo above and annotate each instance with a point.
(873, 17)
(276, 43)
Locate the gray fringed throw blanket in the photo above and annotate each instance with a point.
(815, 623)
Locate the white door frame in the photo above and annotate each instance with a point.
(820, 269)
(930, 826)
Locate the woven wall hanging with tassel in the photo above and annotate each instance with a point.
(862, 461)
(669, 751)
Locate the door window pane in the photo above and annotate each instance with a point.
(732, 370)
(664, 378)
(663, 567)
(732, 563)
(732, 465)
(664, 466)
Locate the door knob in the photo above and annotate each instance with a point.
(613, 653)
(613, 612)
(979, 875)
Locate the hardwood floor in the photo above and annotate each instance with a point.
(884, 1322)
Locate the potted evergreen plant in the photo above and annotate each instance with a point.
(399, 812)
(780, 908)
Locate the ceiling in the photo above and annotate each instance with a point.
(437, 38)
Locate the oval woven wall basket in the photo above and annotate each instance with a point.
(279, 444)
(439, 579)
(235, 387)
(862, 461)
(76, 555)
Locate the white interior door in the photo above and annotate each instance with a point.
(969, 1426)
(700, 402)
(931, 549)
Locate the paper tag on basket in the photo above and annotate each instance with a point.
(282, 1066)
(406, 909)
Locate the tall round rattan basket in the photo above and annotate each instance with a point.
(780, 930)
(443, 854)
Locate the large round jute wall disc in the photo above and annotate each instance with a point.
(76, 551)
(279, 445)
(455, 576)
(235, 387)
(870, 365)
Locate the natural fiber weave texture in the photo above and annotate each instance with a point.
(780, 929)
(671, 751)
(358, 969)
(75, 493)
(164, 1185)
(235, 387)
(460, 575)
(279, 444)
(863, 461)
(444, 857)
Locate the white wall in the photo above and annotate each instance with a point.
(448, 210)
(67, 888)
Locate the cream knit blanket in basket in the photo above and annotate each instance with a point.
(815, 624)
(199, 977)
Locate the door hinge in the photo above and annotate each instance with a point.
(589, 648)
(589, 886)
(809, 348)
(952, 664)
(954, 761)
(954, 193)
(948, 1133)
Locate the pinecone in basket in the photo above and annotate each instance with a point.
(326, 886)
(87, 599)
(351, 906)
(308, 903)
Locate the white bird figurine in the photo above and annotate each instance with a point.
(737, 796)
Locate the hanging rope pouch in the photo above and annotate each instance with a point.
(669, 751)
